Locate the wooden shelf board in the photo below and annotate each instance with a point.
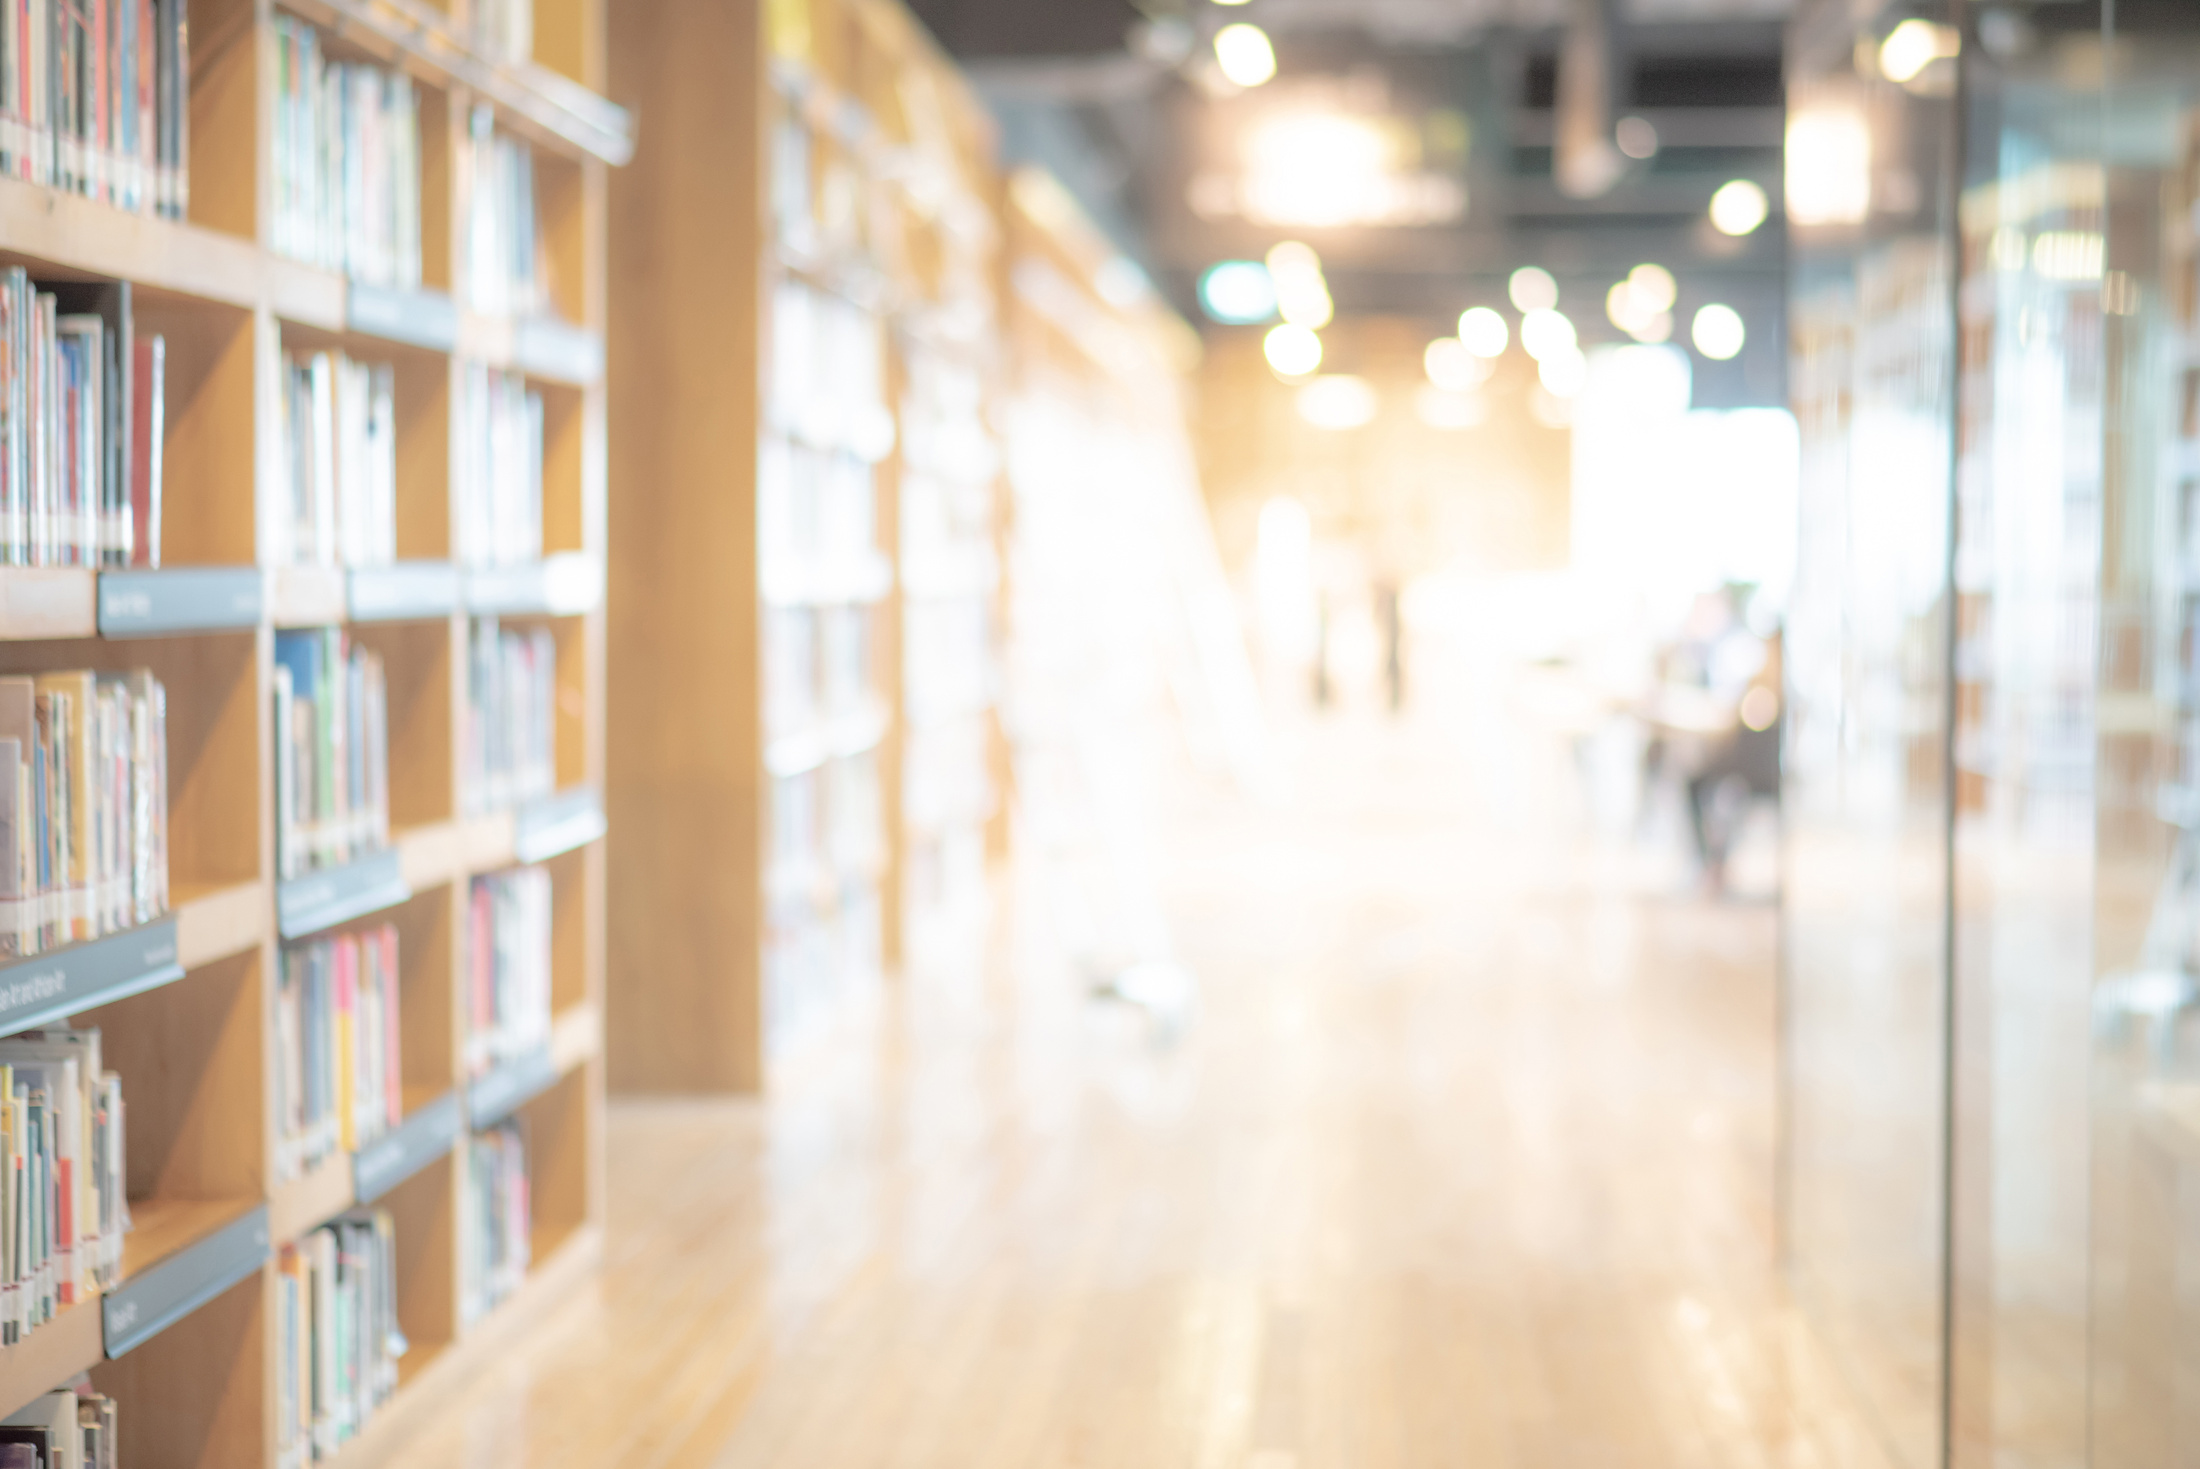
(162, 1228)
(318, 1195)
(576, 1036)
(43, 602)
(85, 236)
(46, 1359)
(216, 922)
(431, 854)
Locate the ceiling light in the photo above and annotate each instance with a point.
(1338, 402)
(1238, 292)
(1532, 289)
(1483, 331)
(1302, 295)
(1564, 373)
(1738, 208)
(1243, 53)
(1914, 45)
(1451, 366)
(1718, 332)
(1636, 137)
(1829, 167)
(1546, 334)
(1291, 350)
(1653, 287)
(1319, 168)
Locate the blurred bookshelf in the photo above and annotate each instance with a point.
(294, 1033)
(809, 768)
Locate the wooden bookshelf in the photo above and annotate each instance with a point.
(187, 1341)
(762, 712)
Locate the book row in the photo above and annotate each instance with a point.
(497, 422)
(80, 426)
(507, 977)
(828, 821)
(83, 806)
(504, 275)
(828, 373)
(63, 1210)
(818, 665)
(816, 509)
(95, 100)
(346, 175)
(332, 798)
(511, 715)
(336, 1324)
(69, 1428)
(495, 1220)
(338, 1083)
(338, 428)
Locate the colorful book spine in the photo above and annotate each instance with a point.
(507, 967)
(346, 169)
(65, 1210)
(80, 426)
(332, 802)
(83, 807)
(94, 100)
(337, 1333)
(504, 275)
(511, 715)
(337, 424)
(337, 1058)
(495, 1221)
(498, 468)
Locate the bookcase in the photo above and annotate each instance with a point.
(806, 339)
(188, 1340)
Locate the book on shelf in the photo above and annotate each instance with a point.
(332, 799)
(507, 967)
(346, 175)
(503, 256)
(498, 424)
(94, 100)
(337, 1334)
(83, 807)
(504, 30)
(68, 1428)
(337, 422)
(495, 1225)
(511, 715)
(63, 1210)
(338, 1083)
(80, 425)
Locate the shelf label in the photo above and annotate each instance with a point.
(418, 1141)
(420, 318)
(39, 991)
(556, 824)
(407, 590)
(510, 1087)
(144, 1306)
(550, 348)
(321, 900)
(138, 604)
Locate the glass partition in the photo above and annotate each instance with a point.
(1870, 211)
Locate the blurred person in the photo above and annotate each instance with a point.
(1394, 665)
(1743, 766)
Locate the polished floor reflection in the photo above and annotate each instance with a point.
(1466, 1159)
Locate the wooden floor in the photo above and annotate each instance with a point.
(1465, 1161)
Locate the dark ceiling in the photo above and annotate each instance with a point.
(1109, 96)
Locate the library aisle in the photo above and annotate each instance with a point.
(1467, 1159)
